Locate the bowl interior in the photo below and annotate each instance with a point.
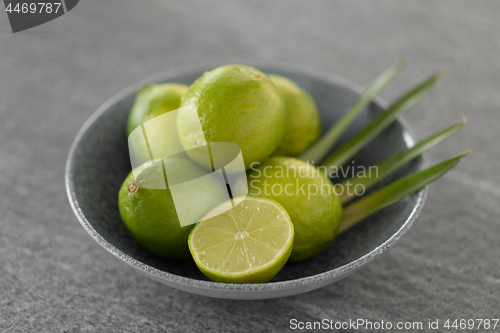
(100, 163)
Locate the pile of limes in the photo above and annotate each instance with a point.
(271, 119)
(292, 211)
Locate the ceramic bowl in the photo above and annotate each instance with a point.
(98, 162)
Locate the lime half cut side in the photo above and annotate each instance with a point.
(248, 243)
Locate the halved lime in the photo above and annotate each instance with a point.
(248, 243)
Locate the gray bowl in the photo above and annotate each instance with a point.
(98, 162)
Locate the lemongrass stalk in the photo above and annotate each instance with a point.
(320, 149)
(394, 192)
(395, 162)
(382, 121)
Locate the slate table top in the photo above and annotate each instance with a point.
(54, 277)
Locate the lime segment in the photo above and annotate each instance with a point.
(248, 243)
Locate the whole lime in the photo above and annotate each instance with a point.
(234, 103)
(308, 196)
(303, 126)
(150, 214)
(153, 101)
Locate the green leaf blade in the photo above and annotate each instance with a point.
(395, 162)
(318, 151)
(394, 192)
(382, 121)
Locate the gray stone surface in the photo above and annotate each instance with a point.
(54, 277)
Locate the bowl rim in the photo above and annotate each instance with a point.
(177, 280)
